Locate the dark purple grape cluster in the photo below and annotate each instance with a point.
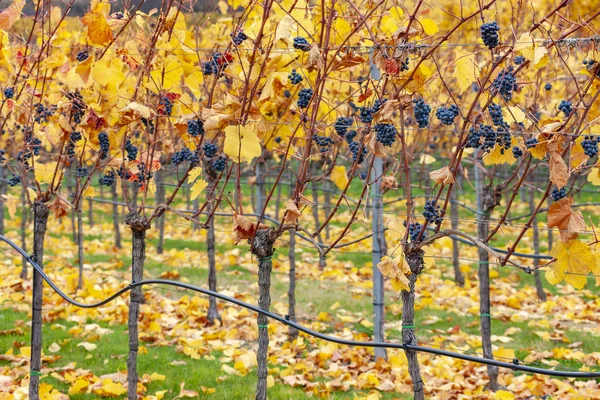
(77, 106)
(558, 194)
(489, 34)
(82, 172)
(517, 152)
(378, 105)
(304, 97)
(548, 86)
(82, 55)
(350, 135)
(185, 154)
(519, 60)
(14, 181)
(104, 145)
(421, 111)
(108, 179)
(36, 145)
(447, 115)
(148, 124)
(490, 136)
(386, 134)
(215, 66)
(432, 212)
(295, 77)
(9, 92)
(341, 125)
(590, 145)
(301, 43)
(165, 106)
(358, 151)
(324, 142)
(529, 143)
(143, 175)
(473, 139)
(42, 113)
(2, 158)
(591, 64)
(405, 65)
(506, 83)
(239, 38)
(220, 164)
(366, 115)
(566, 107)
(131, 150)
(195, 127)
(75, 136)
(495, 111)
(210, 150)
(123, 173)
(414, 229)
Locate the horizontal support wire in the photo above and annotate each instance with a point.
(515, 366)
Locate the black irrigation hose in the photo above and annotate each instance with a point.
(515, 366)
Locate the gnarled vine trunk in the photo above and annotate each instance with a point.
(40, 221)
(139, 225)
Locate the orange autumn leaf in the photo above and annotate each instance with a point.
(442, 175)
(99, 32)
(244, 228)
(10, 15)
(562, 216)
(559, 172)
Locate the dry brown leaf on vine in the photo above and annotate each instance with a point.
(348, 60)
(562, 216)
(292, 213)
(442, 175)
(59, 207)
(364, 96)
(374, 145)
(388, 268)
(387, 111)
(244, 228)
(10, 15)
(559, 172)
(315, 58)
(388, 183)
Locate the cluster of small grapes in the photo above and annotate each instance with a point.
(341, 125)
(506, 83)
(220, 164)
(165, 106)
(131, 150)
(324, 142)
(185, 154)
(358, 151)
(529, 143)
(490, 137)
(75, 136)
(210, 150)
(489, 34)
(350, 135)
(123, 173)
(421, 111)
(405, 65)
(36, 145)
(239, 38)
(495, 111)
(108, 179)
(559, 194)
(195, 127)
(82, 172)
(14, 181)
(77, 106)
(104, 145)
(148, 124)
(43, 113)
(447, 115)
(142, 176)
(473, 139)
(378, 104)
(386, 134)
(566, 107)
(295, 77)
(216, 65)
(517, 152)
(9, 93)
(414, 229)
(301, 43)
(519, 60)
(590, 145)
(591, 64)
(304, 96)
(504, 139)
(432, 212)
(2, 156)
(366, 113)
(82, 55)
(23, 157)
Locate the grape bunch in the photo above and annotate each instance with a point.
(529, 143)
(358, 151)
(489, 34)
(195, 127)
(301, 43)
(517, 152)
(519, 60)
(210, 150)
(378, 105)
(490, 137)
(131, 150)
(43, 113)
(14, 181)
(77, 106)
(185, 154)
(473, 139)
(215, 65)
(239, 38)
(414, 229)
(104, 145)
(165, 106)
(295, 77)
(366, 115)
(566, 107)
(108, 179)
(386, 134)
(590, 145)
(495, 111)
(220, 164)
(505, 83)
(405, 65)
(432, 212)
(9, 92)
(350, 136)
(447, 115)
(341, 125)
(123, 173)
(323, 142)
(82, 172)
(304, 97)
(2, 158)
(421, 111)
(82, 56)
(559, 194)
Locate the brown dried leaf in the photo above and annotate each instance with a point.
(59, 207)
(387, 111)
(364, 96)
(559, 172)
(391, 67)
(562, 216)
(348, 60)
(374, 145)
(9, 15)
(388, 183)
(244, 228)
(315, 58)
(442, 175)
(292, 213)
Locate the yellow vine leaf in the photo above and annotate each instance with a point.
(11, 204)
(499, 155)
(44, 172)
(574, 260)
(199, 184)
(465, 71)
(429, 26)
(99, 32)
(241, 144)
(594, 176)
(339, 177)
